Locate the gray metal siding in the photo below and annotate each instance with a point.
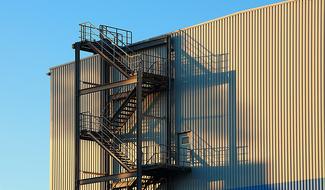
(62, 125)
(277, 53)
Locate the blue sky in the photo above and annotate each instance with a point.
(35, 35)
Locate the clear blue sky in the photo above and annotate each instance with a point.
(36, 35)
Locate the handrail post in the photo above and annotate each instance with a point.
(101, 31)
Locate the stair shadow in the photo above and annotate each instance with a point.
(205, 87)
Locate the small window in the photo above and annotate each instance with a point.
(185, 140)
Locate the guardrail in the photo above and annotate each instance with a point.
(101, 125)
(106, 36)
(217, 156)
(158, 154)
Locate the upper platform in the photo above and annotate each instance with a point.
(117, 50)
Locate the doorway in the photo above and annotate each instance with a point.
(184, 148)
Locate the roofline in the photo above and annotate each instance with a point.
(71, 62)
(238, 13)
(189, 27)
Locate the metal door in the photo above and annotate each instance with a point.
(184, 148)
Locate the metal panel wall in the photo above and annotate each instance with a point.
(277, 55)
(62, 125)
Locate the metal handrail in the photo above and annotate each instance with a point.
(220, 155)
(137, 64)
(100, 123)
(123, 148)
(103, 126)
(95, 123)
(124, 60)
(92, 26)
(125, 45)
(106, 29)
(161, 149)
(99, 34)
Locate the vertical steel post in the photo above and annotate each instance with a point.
(77, 114)
(169, 132)
(139, 129)
(232, 119)
(106, 79)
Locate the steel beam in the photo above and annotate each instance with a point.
(77, 115)
(131, 80)
(107, 178)
(139, 130)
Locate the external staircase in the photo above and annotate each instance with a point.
(112, 45)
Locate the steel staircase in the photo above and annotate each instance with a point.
(128, 106)
(125, 111)
(105, 129)
(97, 128)
(107, 45)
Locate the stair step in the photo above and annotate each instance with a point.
(116, 125)
(122, 184)
(118, 122)
(127, 111)
(122, 117)
(130, 107)
(126, 114)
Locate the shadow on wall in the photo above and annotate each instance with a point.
(205, 91)
(205, 98)
(222, 177)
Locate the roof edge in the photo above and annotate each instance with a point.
(71, 62)
(238, 13)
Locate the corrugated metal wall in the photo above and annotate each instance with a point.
(62, 125)
(277, 53)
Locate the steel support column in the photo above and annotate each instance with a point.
(104, 103)
(139, 130)
(77, 115)
(169, 127)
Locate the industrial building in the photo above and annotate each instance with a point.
(233, 103)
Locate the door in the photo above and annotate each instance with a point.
(184, 148)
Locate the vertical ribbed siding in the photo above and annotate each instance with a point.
(277, 53)
(62, 125)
